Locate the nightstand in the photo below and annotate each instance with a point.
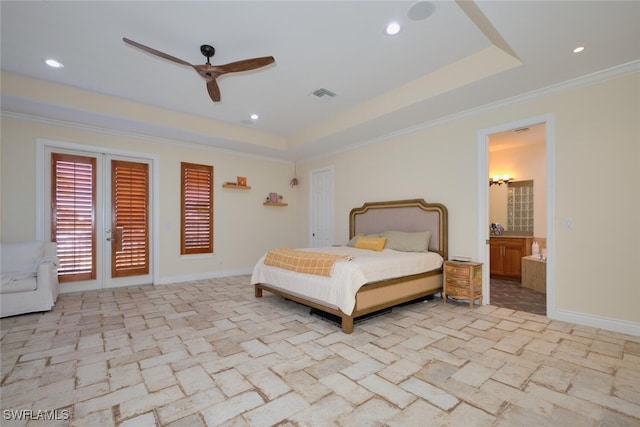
(462, 280)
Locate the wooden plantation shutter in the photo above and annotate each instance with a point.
(73, 225)
(197, 209)
(129, 218)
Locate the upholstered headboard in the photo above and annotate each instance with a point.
(403, 215)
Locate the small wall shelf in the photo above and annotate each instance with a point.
(275, 204)
(236, 186)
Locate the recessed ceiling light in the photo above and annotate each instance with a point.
(393, 29)
(53, 63)
(254, 116)
(578, 49)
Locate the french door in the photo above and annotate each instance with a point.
(128, 222)
(100, 218)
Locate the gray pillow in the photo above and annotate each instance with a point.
(417, 241)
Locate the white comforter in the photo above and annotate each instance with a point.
(339, 290)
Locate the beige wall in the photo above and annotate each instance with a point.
(597, 136)
(524, 162)
(244, 228)
(597, 154)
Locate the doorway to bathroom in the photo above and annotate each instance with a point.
(517, 217)
(516, 205)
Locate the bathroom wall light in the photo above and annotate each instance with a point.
(497, 180)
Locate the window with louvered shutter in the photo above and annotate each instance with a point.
(73, 215)
(197, 209)
(130, 218)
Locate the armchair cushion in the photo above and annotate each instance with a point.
(18, 284)
(29, 280)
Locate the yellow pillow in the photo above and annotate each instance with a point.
(373, 243)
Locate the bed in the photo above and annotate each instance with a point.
(404, 280)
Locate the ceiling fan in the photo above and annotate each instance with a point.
(208, 71)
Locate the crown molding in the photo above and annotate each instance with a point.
(136, 135)
(583, 81)
(289, 156)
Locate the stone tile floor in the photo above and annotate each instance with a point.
(511, 294)
(209, 353)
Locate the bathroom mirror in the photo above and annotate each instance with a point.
(511, 205)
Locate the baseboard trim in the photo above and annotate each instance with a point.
(614, 325)
(202, 276)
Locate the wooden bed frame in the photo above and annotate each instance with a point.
(376, 217)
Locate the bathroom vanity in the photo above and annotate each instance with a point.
(505, 255)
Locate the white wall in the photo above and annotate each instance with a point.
(597, 138)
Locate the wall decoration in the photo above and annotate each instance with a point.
(242, 181)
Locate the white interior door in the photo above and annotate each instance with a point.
(97, 207)
(321, 207)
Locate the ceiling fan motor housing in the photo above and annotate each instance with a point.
(208, 51)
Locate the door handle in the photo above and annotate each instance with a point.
(115, 237)
(118, 239)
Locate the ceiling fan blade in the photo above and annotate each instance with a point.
(207, 71)
(244, 65)
(156, 52)
(214, 90)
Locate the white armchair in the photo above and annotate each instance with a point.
(29, 277)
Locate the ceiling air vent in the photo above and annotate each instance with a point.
(323, 94)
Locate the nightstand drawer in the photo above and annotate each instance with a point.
(457, 271)
(458, 281)
(463, 288)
